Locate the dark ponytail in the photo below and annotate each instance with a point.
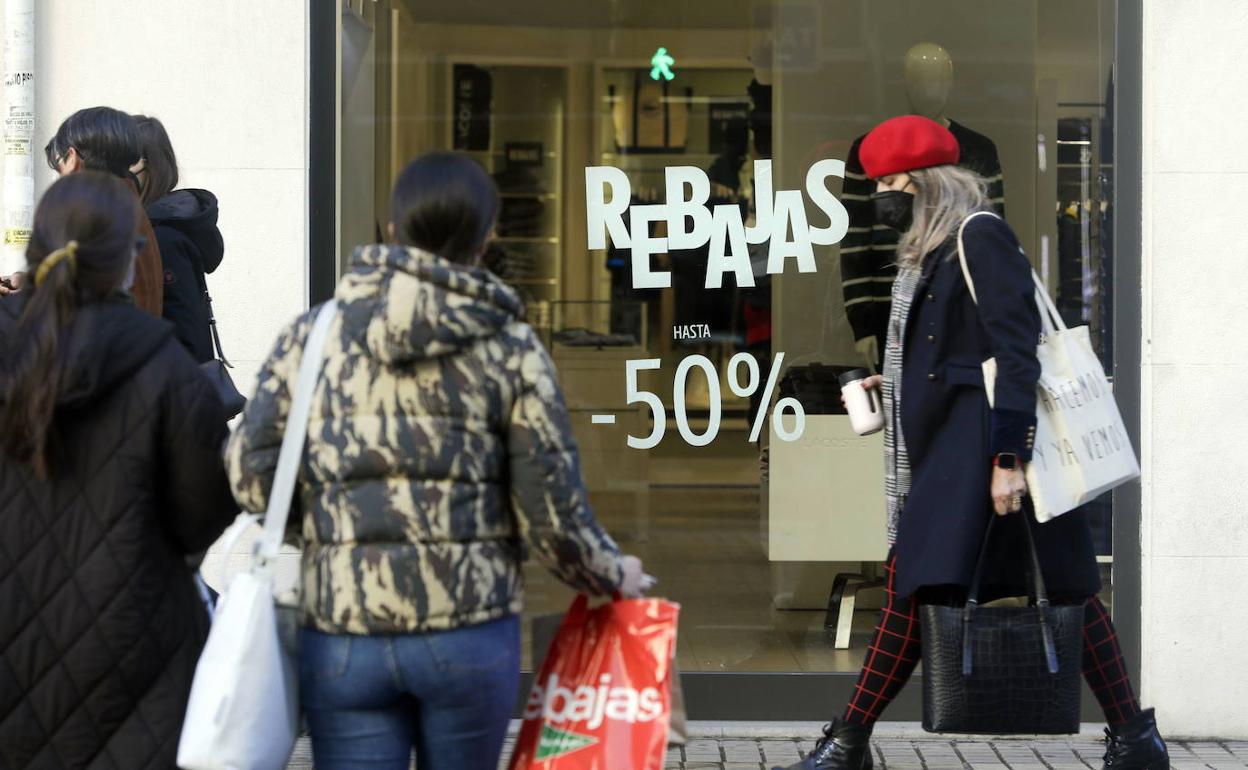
(81, 250)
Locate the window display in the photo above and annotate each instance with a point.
(687, 218)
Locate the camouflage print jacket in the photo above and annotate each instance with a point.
(439, 445)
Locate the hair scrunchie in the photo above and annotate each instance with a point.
(68, 252)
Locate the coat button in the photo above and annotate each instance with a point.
(931, 297)
(931, 376)
(931, 338)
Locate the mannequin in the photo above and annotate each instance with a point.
(929, 79)
(867, 268)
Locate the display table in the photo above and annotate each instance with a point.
(825, 503)
(826, 494)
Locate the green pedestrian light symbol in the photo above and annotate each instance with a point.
(661, 65)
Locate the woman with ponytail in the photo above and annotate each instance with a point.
(110, 475)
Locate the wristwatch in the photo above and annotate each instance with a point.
(1006, 461)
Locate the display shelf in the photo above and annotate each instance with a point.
(526, 112)
(544, 239)
(653, 155)
(533, 195)
(500, 153)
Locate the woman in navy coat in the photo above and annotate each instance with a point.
(953, 462)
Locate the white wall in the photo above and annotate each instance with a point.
(1195, 355)
(229, 80)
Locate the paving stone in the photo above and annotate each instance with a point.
(741, 756)
(703, 756)
(922, 754)
(776, 751)
(741, 751)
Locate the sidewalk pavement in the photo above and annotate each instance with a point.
(901, 747)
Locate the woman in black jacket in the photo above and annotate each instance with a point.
(110, 475)
(185, 223)
(953, 462)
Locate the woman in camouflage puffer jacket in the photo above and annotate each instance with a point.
(439, 446)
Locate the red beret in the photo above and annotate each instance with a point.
(907, 143)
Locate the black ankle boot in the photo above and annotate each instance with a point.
(1136, 745)
(842, 747)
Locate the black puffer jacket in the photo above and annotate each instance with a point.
(185, 223)
(101, 624)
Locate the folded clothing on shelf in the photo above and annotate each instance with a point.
(584, 338)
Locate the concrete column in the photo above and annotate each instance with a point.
(1195, 366)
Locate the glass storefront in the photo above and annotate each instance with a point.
(682, 211)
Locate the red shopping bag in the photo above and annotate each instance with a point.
(602, 700)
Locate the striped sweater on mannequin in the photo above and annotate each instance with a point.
(868, 266)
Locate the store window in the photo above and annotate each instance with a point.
(684, 214)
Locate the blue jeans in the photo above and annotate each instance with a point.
(450, 694)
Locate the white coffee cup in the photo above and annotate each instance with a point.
(866, 411)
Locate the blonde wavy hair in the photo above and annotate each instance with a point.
(944, 196)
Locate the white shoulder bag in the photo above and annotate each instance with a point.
(243, 712)
(1081, 446)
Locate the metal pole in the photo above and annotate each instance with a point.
(19, 131)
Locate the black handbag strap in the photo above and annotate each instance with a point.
(1039, 593)
(212, 320)
(212, 327)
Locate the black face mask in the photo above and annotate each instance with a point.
(894, 208)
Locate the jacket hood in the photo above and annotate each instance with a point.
(194, 214)
(107, 343)
(405, 305)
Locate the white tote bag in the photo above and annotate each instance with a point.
(243, 712)
(1081, 446)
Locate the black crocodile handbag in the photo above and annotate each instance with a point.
(1002, 670)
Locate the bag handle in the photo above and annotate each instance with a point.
(1039, 592)
(202, 280)
(212, 328)
(287, 473)
(1050, 320)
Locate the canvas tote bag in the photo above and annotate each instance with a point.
(243, 712)
(1081, 448)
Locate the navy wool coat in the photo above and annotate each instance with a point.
(952, 435)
